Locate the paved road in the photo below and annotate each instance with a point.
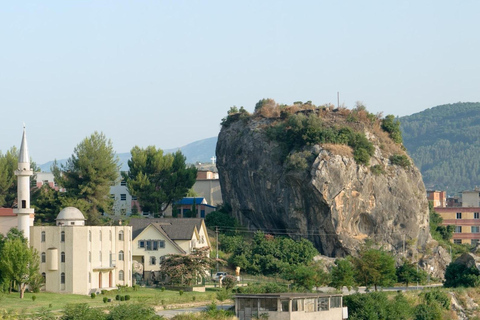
(172, 312)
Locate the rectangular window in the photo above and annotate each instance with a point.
(474, 242)
(268, 305)
(476, 215)
(141, 244)
(153, 260)
(161, 244)
(459, 215)
(297, 305)
(149, 245)
(123, 182)
(155, 245)
(43, 236)
(309, 305)
(475, 229)
(335, 302)
(458, 229)
(457, 241)
(285, 305)
(123, 197)
(322, 304)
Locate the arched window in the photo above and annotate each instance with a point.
(44, 276)
(62, 236)
(90, 235)
(120, 255)
(120, 235)
(44, 257)
(62, 278)
(62, 257)
(43, 236)
(121, 275)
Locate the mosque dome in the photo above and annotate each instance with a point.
(70, 216)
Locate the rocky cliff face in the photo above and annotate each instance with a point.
(333, 201)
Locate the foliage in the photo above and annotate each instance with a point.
(299, 130)
(93, 295)
(299, 160)
(88, 175)
(233, 115)
(229, 282)
(439, 232)
(186, 269)
(266, 254)
(47, 203)
(132, 311)
(374, 267)
(305, 277)
(400, 160)
(212, 312)
(8, 180)
(377, 170)
(433, 302)
(436, 296)
(392, 126)
(157, 179)
(342, 275)
(223, 294)
(19, 263)
(82, 311)
(409, 273)
(443, 142)
(459, 275)
(376, 306)
(269, 287)
(221, 219)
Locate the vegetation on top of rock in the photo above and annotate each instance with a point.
(303, 124)
(443, 141)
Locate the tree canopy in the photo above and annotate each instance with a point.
(8, 180)
(158, 179)
(375, 267)
(88, 175)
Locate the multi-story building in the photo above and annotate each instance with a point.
(82, 259)
(471, 198)
(438, 198)
(466, 221)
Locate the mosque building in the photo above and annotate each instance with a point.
(74, 258)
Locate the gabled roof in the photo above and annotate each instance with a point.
(162, 232)
(174, 228)
(7, 212)
(189, 201)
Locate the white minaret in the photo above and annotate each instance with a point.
(23, 174)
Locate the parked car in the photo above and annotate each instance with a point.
(217, 276)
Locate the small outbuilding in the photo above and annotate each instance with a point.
(290, 306)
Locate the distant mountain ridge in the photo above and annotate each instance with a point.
(444, 142)
(198, 151)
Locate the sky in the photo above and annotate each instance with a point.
(165, 73)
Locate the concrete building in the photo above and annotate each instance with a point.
(466, 221)
(82, 259)
(185, 206)
(438, 198)
(207, 186)
(290, 306)
(471, 198)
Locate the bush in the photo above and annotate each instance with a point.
(400, 160)
(377, 169)
(117, 297)
(127, 297)
(229, 282)
(223, 295)
(162, 289)
(93, 295)
(392, 127)
(34, 297)
(104, 291)
(105, 299)
(122, 298)
(180, 292)
(458, 275)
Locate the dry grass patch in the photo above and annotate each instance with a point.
(340, 149)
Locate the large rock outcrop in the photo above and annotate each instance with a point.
(334, 202)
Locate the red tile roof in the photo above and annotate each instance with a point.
(7, 212)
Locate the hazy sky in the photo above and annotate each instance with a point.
(164, 73)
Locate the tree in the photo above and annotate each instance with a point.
(88, 175)
(460, 275)
(305, 277)
(19, 263)
(408, 273)
(8, 180)
(392, 126)
(374, 267)
(158, 180)
(185, 269)
(47, 203)
(342, 275)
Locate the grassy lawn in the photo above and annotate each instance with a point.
(56, 301)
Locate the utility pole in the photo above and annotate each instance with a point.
(216, 232)
(338, 99)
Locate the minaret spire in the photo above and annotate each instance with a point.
(23, 173)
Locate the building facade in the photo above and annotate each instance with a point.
(438, 198)
(466, 221)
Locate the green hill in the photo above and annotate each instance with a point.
(444, 142)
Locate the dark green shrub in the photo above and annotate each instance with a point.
(105, 299)
(34, 297)
(127, 297)
(229, 282)
(180, 292)
(122, 298)
(377, 169)
(392, 127)
(400, 160)
(459, 275)
(93, 295)
(104, 291)
(117, 297)
(162, 289)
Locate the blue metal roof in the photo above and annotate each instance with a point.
(189, 201)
